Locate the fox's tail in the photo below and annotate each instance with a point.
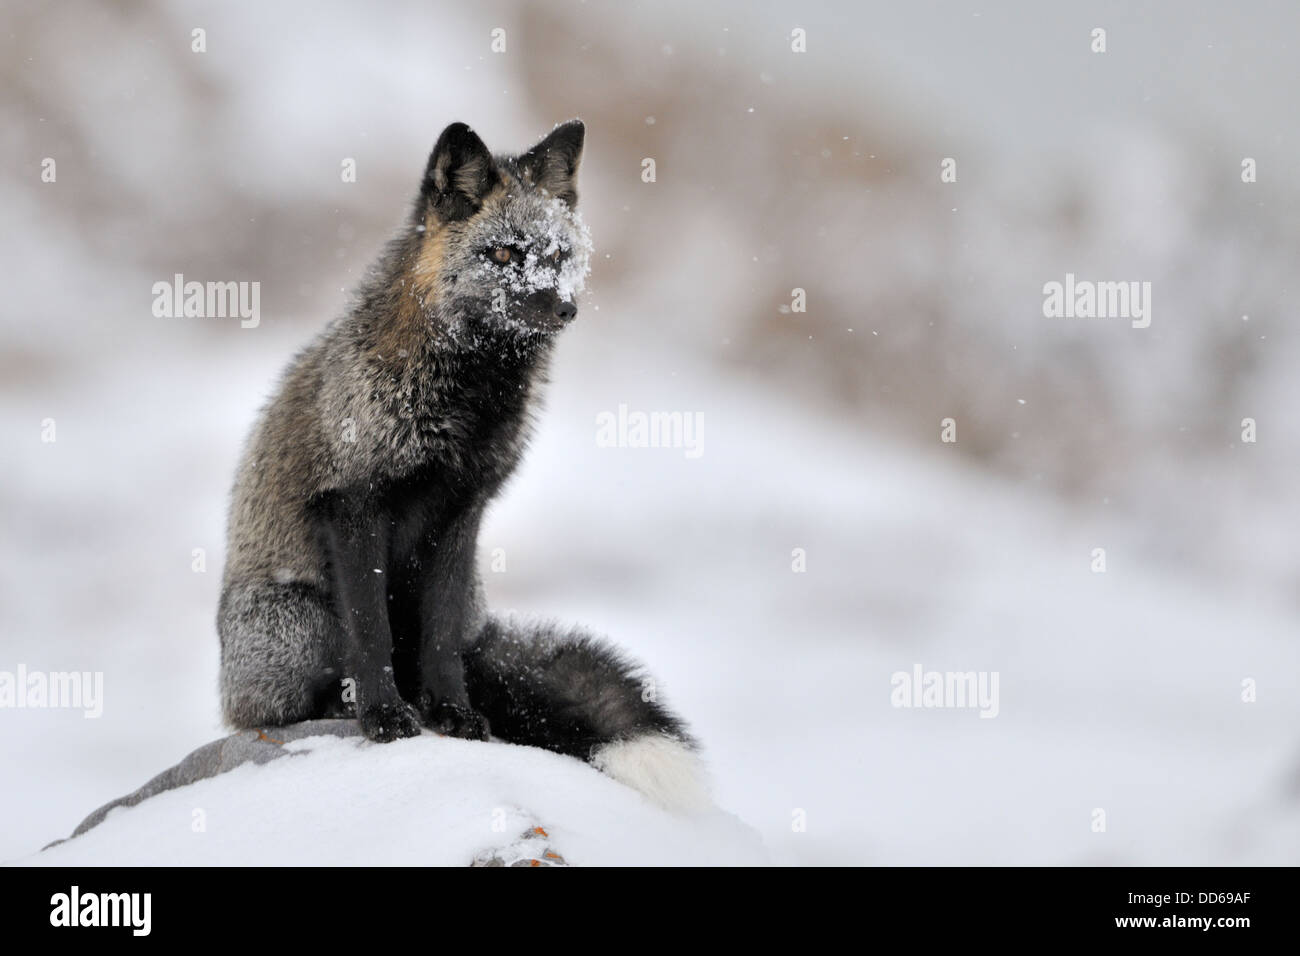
(564, 690)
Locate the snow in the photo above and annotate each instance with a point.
(424, 801)
(1118, 690)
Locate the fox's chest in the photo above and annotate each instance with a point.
(470, 450)
(470, 425)
(424, 514)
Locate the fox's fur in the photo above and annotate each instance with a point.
(356, 508)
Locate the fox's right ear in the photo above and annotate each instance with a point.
(460, 173)
(553, 163)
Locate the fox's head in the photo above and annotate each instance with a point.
(499, 245)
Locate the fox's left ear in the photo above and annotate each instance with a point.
(460, 173)
(553, 163)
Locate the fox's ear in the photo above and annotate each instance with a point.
(460, 173)
(553, 163)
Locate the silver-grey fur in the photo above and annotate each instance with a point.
(417, 402)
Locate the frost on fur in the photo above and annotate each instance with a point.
(555, 228)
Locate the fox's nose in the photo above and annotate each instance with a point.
(565, 311)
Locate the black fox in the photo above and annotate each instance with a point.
(357, 504)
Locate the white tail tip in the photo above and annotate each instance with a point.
(663, 769)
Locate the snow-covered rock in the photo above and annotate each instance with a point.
(318, 794)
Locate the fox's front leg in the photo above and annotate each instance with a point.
(355, 534)
(448, 603)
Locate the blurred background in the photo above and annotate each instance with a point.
(775, 171)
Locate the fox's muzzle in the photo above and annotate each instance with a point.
(546, 311)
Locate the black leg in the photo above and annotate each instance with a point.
(354, 529)
(447, 603)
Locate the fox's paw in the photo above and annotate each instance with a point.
(388, 721)
(453, 720)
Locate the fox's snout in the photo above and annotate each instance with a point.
(548, 311)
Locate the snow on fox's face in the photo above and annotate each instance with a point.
(519, 265)
(503, 252)
(532, 244)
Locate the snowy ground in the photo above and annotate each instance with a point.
(1119, 691)
(427, 801)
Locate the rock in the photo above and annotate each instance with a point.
(531, 849)
(248, 746)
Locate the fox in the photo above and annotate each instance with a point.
(352, 532)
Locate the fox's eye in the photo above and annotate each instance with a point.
(502, 254)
